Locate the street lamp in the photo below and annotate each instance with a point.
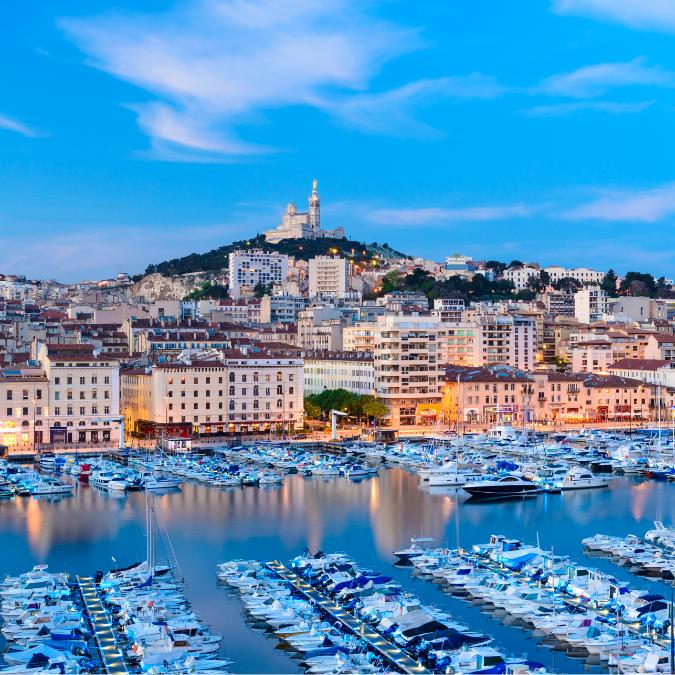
(33, 425)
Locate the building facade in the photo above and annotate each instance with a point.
(352, 371)
(247, 269)
(328, 276)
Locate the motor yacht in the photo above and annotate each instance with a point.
(501, 486)
(579, 478)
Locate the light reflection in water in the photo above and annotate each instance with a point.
(367, 518)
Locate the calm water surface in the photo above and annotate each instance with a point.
(367, 519)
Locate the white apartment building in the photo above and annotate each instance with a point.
(328, 276)
(449, 309)
(214, 393)
(84, 396)
(590, 303)
(360, 337)
(455, 342)
(406, 370)
(339, 370)
(582, 274)
(520, 276)
(249, 268)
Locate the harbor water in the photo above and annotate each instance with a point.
(367, 519)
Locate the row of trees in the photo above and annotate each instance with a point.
(355, 405)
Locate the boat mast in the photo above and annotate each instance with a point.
(457, 444)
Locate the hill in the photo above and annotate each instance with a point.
(301, 249)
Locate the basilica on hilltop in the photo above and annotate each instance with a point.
(296, 225)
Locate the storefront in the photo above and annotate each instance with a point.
(500, 413)
(428, 413)
(59, 435)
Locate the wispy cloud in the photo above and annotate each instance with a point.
(392, 112)
(431, 216)
(656, 15)
(13, 125)
(591, 81)
(646, 206)
(215, 65)
(560, 109)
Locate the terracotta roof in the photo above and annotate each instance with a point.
(638, 364)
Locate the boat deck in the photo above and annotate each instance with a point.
(383, 647)
(103, 632)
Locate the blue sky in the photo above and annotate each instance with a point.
(134, 133)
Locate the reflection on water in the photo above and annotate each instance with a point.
(366, 518)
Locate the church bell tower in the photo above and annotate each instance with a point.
(314, 212)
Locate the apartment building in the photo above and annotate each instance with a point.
(24, 411)
(328, 276)
(84, 396)
(583, 274)
(521, 275)
(321, 328)
(282, 308)
(590, 304)
(360, 337)
(232, 391)
(486, 395)
(406, 370)
(660, 346)
(639, 308)
(247, 269)
(558, 302)
(352, 371)
(456, 342)
(449, 309)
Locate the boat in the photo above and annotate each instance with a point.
(578, 478)
(51, 486)
(502, 486)
(162, 483)
(412, 551)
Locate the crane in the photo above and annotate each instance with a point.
(333, 418)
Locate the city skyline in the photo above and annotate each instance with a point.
(135, 134)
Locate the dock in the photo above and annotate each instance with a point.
(113, 659)
(384, 648)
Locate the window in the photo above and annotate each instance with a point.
(57, 411)
(208, 406)
(94, 380)
(38, 411)
(243, 391)
(267, 378)
(243, 378)
(231, 405)
(208, 392)
(70, 410)
(196, 418)
(231, 391)
(220, 392)
(256, 405)
(82, 396)
(182, 381)
(279, 377)
(82, 410)
(9, 394)
(106, 394)
(196, 380)
(69, 380)
(208, 381)
(231, 377)
(196, 394)
(24, 411)
(196, 406)
(57, 380)
(106, 410)
(25, 395)
(255, 377)
(279, 403)
(290, 404)
(243, 406)
(106, 380)
(267, 405)
(170, 419)
(38, 394)
(82, 380)
(290, 390)
(94, 394)
(169, 394)
(57, 395)
(267, 391)
(290, 377)
(182, 393)
(171, 380)
(220, 380)
(69, 394)
(182, 406)
(280, 390)
(170, 406)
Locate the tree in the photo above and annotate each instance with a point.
(375, 409)
(609, 283)
(312, 411)
(568, 285)
(260, 289)
(515, 263)
(545, 277)
(649, 287)
(496, 266)
(535, 284)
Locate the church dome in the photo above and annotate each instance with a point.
(291, 209)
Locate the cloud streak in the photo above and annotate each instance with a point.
(12, 125)
(592, 81)
(656, 15)
(438, 215)
(561, 109)
(646, 206)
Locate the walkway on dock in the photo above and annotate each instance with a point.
(383, 647)
(103, 632)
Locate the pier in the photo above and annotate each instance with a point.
(103, 631)
(384, 648)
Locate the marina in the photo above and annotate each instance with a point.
(268, 503)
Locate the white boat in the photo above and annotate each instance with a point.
(101, 478)
(117, 483)
(161, 483)
(579, 478)
(51, 486)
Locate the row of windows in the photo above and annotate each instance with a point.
(69, 395)
(24, 395)
(94, 410)
(22, 411)
(83, 380)
(232, 378)
(256, 405)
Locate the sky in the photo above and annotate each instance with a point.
(132, 133)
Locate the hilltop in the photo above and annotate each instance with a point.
(301, 249)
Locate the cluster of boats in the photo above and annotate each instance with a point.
(333, 616)
(653, 554)
(46, 625)
(575, 609)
